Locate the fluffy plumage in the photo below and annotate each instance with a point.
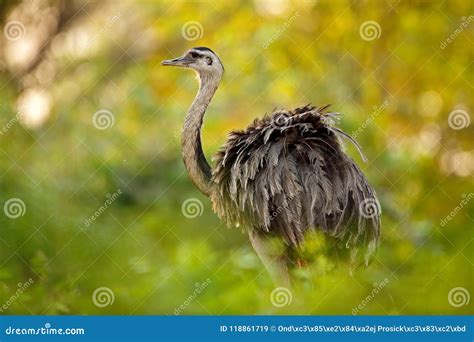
(283, 176)
(286, 174)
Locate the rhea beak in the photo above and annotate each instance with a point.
(182, 61)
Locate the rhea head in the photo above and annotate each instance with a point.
(201, 59)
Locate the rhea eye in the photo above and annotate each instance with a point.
(209, 60)
(194, 55)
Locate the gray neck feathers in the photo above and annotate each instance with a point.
(193, 155)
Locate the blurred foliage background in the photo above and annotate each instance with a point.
(396, 83)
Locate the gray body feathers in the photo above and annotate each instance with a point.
(286, 174)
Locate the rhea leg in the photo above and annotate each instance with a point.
(273, 258)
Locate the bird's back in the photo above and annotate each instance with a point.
(286, 174)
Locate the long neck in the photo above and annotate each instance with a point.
(193, 156)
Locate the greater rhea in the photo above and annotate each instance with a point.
(284, 175)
